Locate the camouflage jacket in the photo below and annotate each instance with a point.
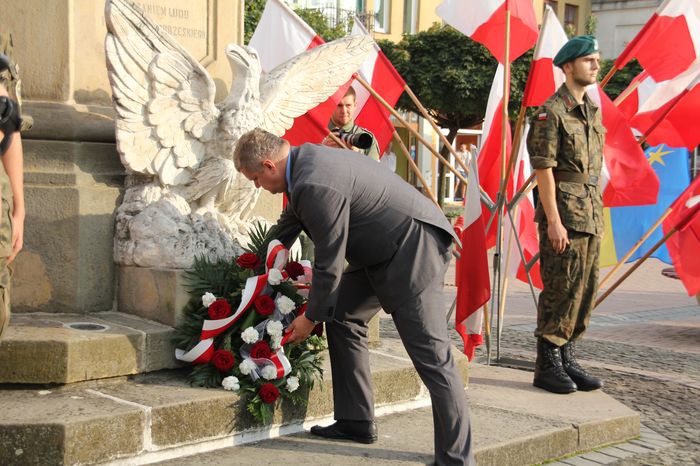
(352, 128)
(568, 137)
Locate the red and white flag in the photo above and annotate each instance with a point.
(485, 22)
(524, 221)
(280, 36)
(489, 159)
(378, 71)
(544, 78)
(684, 246)
(669, 42)
(669, 115)
(472, 274)
(627, 177)
(637, 93)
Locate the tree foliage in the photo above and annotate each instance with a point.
(621, 79)
(451, 75)
(314, 18)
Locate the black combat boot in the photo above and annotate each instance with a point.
(549, 371)
(585, 381)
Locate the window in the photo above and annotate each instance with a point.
(571, 18)
(381, 15)
(553, 4)
(410, 16)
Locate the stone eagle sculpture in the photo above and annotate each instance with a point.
(184, 197)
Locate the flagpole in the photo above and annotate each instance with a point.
(427, 116)
(500, 202)
(608, 76)
(418, 136)
(685, 220)
(635, 266)
(627, 92)
(414, 167)
(634, 248)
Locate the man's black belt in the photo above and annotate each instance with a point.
(576, 177)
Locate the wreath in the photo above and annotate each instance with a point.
(234, 326)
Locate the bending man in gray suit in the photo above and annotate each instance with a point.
(397, 245)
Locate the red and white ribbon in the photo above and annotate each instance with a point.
(281, 362)
(277, 256)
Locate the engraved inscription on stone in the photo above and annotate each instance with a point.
(190, 23)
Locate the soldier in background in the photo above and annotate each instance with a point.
(341, 120)
(566, 151)
(11, 189)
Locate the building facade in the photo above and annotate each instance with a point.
(619, 21)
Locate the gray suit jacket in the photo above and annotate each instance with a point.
(356, 210)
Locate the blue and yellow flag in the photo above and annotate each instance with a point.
(624, 226)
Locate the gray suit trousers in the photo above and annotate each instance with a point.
(420, 322)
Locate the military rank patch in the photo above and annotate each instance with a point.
(542, 116)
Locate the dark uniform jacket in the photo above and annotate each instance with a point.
(569, 137)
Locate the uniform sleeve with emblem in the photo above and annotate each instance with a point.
(543, 139)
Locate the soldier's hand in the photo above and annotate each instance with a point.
(558, 237)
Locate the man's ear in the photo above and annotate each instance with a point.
(269, 164)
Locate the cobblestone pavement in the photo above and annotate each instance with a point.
(662, 385)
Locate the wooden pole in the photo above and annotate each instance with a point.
(403, 121)
(635, 266)
(634, 248)
(627, 92)
(414, 167)
(427, 116)
(517, 138)
(608, 76)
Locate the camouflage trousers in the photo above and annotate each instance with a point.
(570, 285)
(5, 274)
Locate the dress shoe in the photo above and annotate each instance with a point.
(549, 370)
(585, 381)
(358, 431)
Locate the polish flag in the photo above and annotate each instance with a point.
(684, 246)
(545, 78)
(489, 160)
(378, 71)
(637, 93)
(523, 219)
(472, 274)
(669, 115)
(669, 42)
(280, 36)
(627, 177)
(485, 22)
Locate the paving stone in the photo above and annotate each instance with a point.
(616, 452)
(599, 457)
(579, 461)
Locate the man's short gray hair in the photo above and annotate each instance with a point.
(254, 147)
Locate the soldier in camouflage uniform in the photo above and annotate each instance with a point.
(565, 143)
(341, 120)
(11, 190)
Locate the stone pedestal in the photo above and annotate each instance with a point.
(73, 174)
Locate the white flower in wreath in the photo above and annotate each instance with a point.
(269, 372)
(276, 342)
(247, 366)
(285, 305)
(208, 299)
(274, 277)
(250, 335)
(274, 328)
(292, 383)
(231, 383)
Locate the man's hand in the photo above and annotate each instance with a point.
(330, 142)
(299, 329)
(558, 237)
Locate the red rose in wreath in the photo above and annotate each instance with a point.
(223, 360)
(264, 305)
(318, 330)
(261, 350)
(249, 261)
(294, 270)
(268, 393)
(219, 309)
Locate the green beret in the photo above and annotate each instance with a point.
(578, 46)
